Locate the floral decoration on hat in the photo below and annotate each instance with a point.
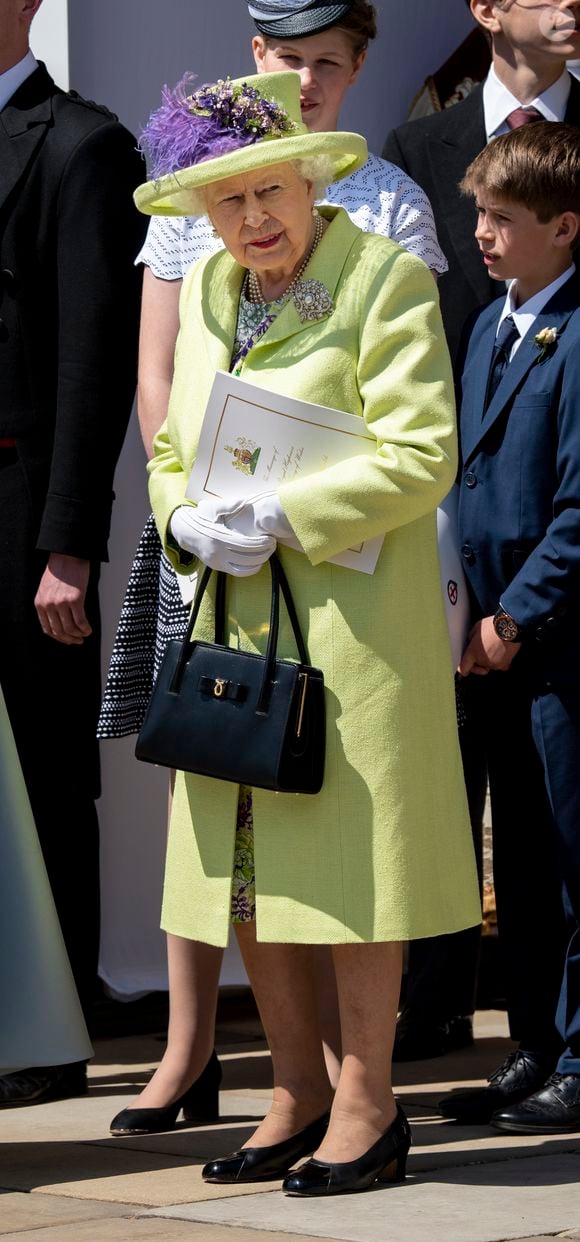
(212, 121)
(229, 128)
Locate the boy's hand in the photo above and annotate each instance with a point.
(485, 651)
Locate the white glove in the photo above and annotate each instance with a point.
(252, 515)
(217, 546)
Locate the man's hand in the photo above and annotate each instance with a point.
(60, 599)
(485, 651)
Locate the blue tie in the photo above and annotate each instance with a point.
(504, 341)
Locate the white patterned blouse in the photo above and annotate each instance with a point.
(379, 198)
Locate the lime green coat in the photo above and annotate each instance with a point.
(384, 852)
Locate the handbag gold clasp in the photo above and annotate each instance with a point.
(219, 687)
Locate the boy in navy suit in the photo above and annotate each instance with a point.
(519, 525)
(530, 43)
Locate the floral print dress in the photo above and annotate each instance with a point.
(244, 878)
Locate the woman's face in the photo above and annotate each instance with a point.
(264, 218)
(326, 67)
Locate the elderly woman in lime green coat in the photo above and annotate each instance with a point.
(383, 853)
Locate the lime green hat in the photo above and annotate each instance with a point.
(227, 128)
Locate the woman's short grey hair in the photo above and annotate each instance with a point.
(317, 169)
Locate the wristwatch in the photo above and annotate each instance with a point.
(506, 628)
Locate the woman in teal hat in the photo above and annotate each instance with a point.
(378, 856)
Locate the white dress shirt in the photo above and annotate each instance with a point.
(13, 78)
(524, 315)
(498, 102)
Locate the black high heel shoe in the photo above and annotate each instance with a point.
(251, 1164)
(385, 1161)
(200, 1104)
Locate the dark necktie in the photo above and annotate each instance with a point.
(505, 339)
(523, 116)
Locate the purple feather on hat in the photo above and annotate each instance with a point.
(190, 128)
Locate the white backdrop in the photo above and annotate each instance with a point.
(50, 39)
(120, 54)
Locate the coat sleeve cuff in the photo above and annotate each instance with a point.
(74, 527)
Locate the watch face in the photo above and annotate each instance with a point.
(506, 628)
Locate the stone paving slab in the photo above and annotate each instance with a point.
(439, 1145)
(481, 1203)
(107, 1174)
(83, 1124)
(26, 1211)
(89, 1119)
(130, 1229)
(552, 1237)
(436, 1144)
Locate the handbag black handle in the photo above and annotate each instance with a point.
(279, 582)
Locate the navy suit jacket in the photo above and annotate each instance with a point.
(519, 508)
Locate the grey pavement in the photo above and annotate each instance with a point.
(64, 1177)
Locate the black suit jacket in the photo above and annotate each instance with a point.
(436, 151)
(69, 305)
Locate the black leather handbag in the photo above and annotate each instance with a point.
(236, 715)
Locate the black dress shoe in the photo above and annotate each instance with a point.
(417, 1040)
(200, 1104)
(520, 1074)
(553, 1110)
(385, 1161)
(252, 1164)
(47, 1082)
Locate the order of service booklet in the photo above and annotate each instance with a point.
(252, 440)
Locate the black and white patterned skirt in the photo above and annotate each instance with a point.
(153, 613)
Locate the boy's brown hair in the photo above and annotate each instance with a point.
(537, 165)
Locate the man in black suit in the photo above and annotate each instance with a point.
(528, 80)
(528, 70)
(69, 304)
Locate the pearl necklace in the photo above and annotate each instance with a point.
(253, 286)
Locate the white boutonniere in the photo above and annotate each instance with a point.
(545, 341)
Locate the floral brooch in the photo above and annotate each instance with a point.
(545, 341)
(312, 300)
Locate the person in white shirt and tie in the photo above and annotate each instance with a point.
(531, 44)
